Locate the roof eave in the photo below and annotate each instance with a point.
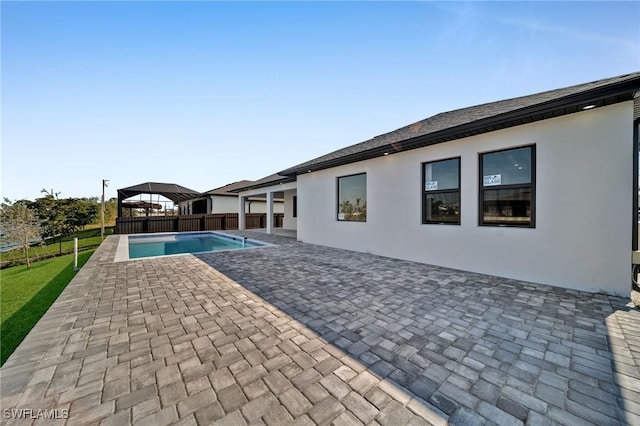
(285, 179)
(555, 108)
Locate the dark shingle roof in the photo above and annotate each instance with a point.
(172, 191)
(229, 188)
(270, 180)
(480, 119)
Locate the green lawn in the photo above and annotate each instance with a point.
(88, 238)
(26, 294)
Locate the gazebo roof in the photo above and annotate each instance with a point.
(172, 191)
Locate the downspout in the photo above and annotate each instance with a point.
(635, 260)
(636, 152)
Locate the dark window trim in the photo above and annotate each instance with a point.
(531, 185)
(338, 197)
(295, 206)
(423, 193)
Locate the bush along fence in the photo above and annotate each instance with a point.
(196, 222)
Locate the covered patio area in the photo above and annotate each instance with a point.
(270, 188)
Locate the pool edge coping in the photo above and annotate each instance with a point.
(122, 247)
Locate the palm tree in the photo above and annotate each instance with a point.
(346, 207)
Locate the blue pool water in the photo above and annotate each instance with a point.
(198, 242)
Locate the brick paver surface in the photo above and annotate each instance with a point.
(303, 334)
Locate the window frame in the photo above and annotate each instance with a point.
(337, 210)
(531, 186)
(424, 193)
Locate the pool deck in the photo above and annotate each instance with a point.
(303, 334)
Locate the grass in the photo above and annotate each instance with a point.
(26, 294)
(87, 238)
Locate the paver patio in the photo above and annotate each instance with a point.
(304, 334)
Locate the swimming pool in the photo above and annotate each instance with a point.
(144, 246)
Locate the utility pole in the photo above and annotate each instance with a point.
(105, 183)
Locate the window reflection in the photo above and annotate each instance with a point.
(514, 165)
(352, 198)
(443, 207)
(507, 187)
(507, 205)
(441, 192)
(442, 174)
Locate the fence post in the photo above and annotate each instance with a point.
(75, 254)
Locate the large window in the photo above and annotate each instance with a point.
(352, 198)
(507, 187)
(441, 191)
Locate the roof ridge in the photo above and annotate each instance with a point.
(477, 119)
(598, 83)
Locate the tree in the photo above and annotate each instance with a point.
(110, 210)
(61, 217)
(20, 225)
(81, 211)
(346, 207)
(56, 215)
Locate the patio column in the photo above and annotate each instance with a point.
(269, 212)
(241, 217)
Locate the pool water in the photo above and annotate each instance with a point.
(171, 244)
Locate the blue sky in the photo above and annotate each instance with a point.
(206, 93)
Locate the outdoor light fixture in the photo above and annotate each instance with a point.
(386, 153)
(588, 107)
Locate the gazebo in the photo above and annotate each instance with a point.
(171, 191)
(142, 205)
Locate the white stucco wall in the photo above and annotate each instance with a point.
(223, 204)
(258, 206)
(289, 222)
(181, 205)
(582, 238)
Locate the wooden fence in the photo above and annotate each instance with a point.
(196, 222)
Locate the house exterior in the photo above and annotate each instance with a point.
(223, 200)
(540, 188)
